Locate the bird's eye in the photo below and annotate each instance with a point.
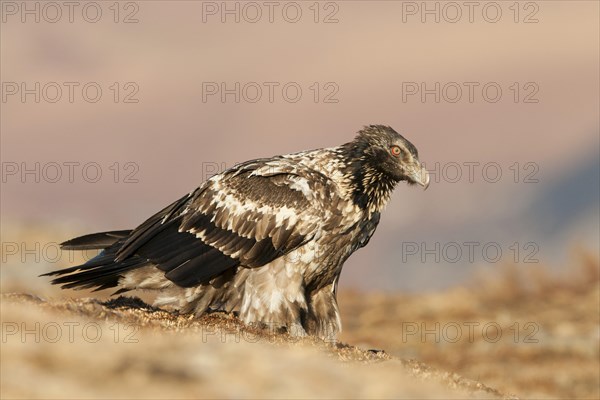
(396, 151)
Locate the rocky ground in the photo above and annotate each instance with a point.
(85, 348)
(523, 332)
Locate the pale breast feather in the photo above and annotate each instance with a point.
(246, 216)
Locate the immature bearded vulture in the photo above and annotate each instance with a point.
(266, 239)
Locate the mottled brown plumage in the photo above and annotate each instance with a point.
(266, 239)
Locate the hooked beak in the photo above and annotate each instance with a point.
(421, 176)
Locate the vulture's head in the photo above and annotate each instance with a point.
(384, 153)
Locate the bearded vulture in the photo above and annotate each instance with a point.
(266, 239)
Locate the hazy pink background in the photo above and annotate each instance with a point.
(369, 53)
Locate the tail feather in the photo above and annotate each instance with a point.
(102, 271)
(100, 240)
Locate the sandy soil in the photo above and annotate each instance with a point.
(84, 348)
(523, 332)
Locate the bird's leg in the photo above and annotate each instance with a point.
(323, 317)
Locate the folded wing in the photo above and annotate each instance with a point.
(247, 216)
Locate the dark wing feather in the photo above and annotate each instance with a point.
(93, 241)
(150, 228)
(247, 216)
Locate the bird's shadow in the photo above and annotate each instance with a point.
(129, 302)
(135, 303)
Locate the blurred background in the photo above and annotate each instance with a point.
(105, 123)
(112, 110)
